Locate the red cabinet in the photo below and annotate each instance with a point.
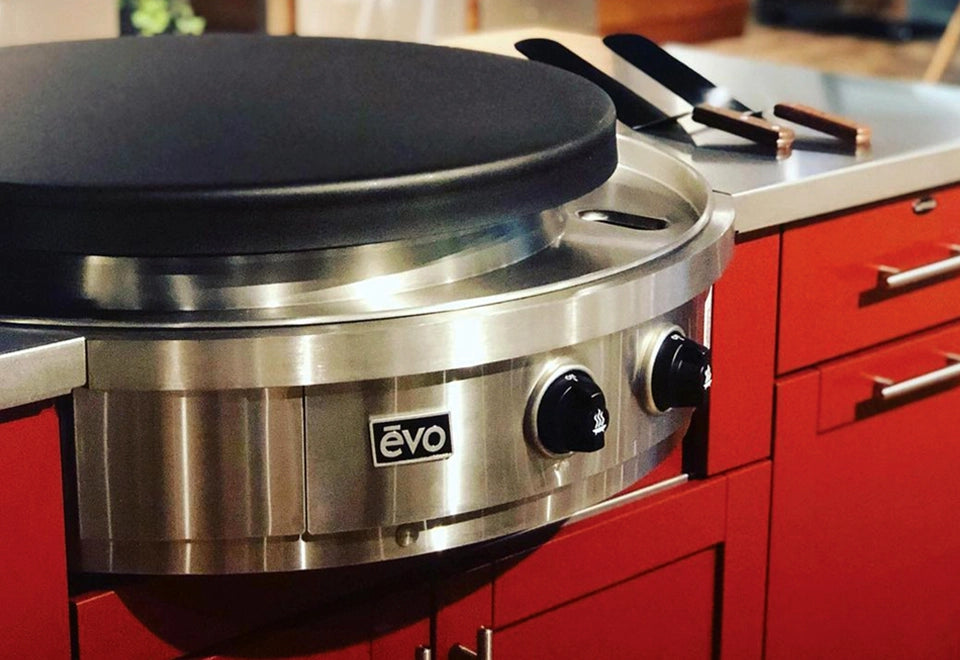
(641, 581)
(743, 347)
(596, 554)
(865, 531)
(865, 523)
(34, 617)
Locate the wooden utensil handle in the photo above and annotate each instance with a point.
(746, 126)
(839, 127)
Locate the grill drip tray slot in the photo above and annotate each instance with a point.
(621, 219)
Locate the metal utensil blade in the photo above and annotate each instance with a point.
(671, 72)
(632, 109)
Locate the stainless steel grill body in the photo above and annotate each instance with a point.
(226, 425)
(281, 478)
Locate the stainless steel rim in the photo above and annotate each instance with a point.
(394, 347)
(109, 287)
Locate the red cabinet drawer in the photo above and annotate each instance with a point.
(598, 553)
(883, 379)
(832, 301)
(667, 613)
(865, 530)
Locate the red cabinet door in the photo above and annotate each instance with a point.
(667, 613)
(34, 620)
(865, 523)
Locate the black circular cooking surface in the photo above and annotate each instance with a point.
(239, 144)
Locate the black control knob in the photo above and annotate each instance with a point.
(572, 415)
(681, 373)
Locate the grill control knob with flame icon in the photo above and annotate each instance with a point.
(571, 414)
(677, 373)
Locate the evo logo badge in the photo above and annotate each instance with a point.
(397, 440)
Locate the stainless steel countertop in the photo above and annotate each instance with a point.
(916, 131)
(39, 364)
(915, 147)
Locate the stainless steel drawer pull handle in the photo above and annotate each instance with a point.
(887, 390)
(892, 278)
(423, 653)
(484, 647)
(924, 205)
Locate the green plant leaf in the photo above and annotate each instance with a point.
(151, 17)
(191, 25)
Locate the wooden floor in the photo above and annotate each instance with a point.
(838, 53)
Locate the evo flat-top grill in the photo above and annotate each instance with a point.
(345, 301)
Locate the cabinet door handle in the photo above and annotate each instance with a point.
(893, 278)
(423, 653)
(887, 390)
(484, 647)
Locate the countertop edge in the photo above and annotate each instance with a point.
(36, 365)
(842, 190)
